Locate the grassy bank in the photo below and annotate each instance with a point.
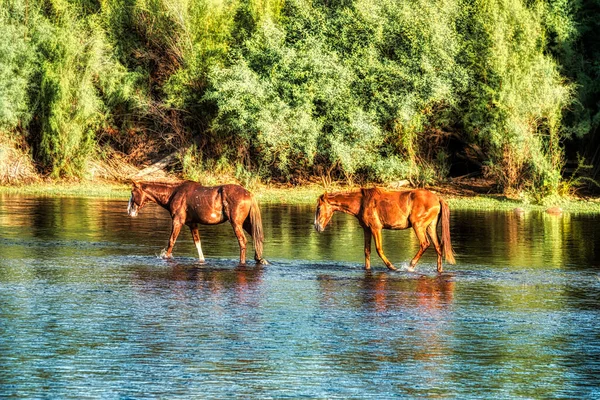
(484, 202)
(303, 195)
(111, 190)
(80, 189)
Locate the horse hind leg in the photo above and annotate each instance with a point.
(378, 245)
(235, 216)
(239, 233)
(367, 248)
(424, 245)
(432, 232)
(248, 228)
(196, 236)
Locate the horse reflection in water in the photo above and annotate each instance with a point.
(426, 293)
(413, 315)
(192, 204)
(385, 293)
(242, 282)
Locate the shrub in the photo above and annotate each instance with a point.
(16, 67)
(288, 90)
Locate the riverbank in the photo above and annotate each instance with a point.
(457, 196)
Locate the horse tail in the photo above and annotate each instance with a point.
(448, 252)
(257, 231)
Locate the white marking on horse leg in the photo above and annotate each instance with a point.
(196, 237)
(200, 255)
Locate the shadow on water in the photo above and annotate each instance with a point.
(87, 309)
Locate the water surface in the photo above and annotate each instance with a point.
(87, 309)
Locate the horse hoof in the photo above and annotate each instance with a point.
(410, 269)
(165, 255)
(392, 268)
(262, 261)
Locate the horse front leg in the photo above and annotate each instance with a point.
(378, 245)
(367, 248)
(175, 228)
(196, 236)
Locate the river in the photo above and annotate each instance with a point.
(89, 310)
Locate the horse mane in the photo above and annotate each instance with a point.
(370, 193)
(348, 192)
(162, 183)
(159, 192)
(366, 193)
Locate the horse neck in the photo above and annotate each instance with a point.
(159, 193)
(348, 203)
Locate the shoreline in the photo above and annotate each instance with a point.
(300, 195)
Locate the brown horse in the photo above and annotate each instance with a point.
(191, 204)
(378, 209)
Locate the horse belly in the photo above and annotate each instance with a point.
(392, 216)
(404, 224)
(205, 217)
(204, 206)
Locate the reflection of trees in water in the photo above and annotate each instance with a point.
(498, 238)
(540, 231)
(47, 228)
(290, 234)
(532, 239)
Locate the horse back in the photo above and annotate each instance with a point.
(424, 207)
(211, 205)
(424, 202)
(237, 203)
(396, 209)
(198, 204)
(235, 194)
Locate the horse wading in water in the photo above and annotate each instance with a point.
(191, 204)
(378, 209)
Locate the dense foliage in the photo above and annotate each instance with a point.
(287, 90)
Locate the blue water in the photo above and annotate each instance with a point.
(88, 310)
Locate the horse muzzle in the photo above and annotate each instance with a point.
(319, 228)
(132, 208)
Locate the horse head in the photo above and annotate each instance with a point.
(323, 214)
(137, 200)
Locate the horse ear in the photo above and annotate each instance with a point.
(135, 184)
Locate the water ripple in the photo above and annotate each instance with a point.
(88, 310)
